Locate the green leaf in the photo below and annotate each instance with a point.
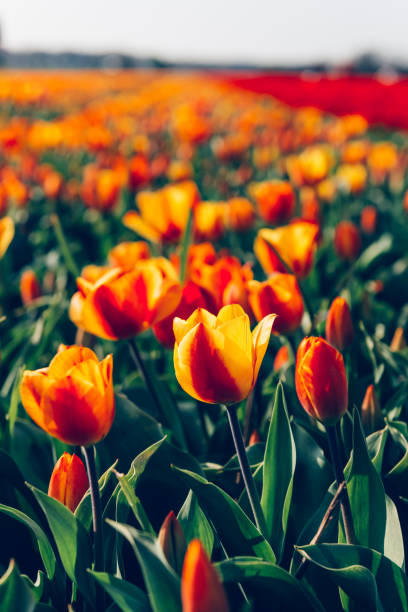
(265, 582)
(162, 583)
(15, 595)
(278, 472)
(127, 596)
(366, 493)
(45, 548)
(195, 524)
(185, 243)
(72, 540)
(236, 531)
(391, 581)
(14, 400)
(134, 503)
(394, 542)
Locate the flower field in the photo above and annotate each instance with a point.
(203, 364)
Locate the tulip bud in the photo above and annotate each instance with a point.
(29, 287)
(201, 588)
(398, 340)
(254, 438)
(347, 240)
(172, 541)
(320, 378)
(371, 416)
(339, 325)
(281, 358)
(69, 481)
(368, 219)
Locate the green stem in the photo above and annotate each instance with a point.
(96, 507)
(245, 469)
(63, 245)
(339, 475)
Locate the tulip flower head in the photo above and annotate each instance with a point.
(121, 304)
(172, 541)
(280, 294)
(216, 358)
(320, 379)
(201, 588)
(72, 399)
(347, 240)
(275, 200)
(30, 288)
(6, 234)
(339, 325)
(69, 481)
(295, 243)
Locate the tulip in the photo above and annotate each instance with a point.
(193, 296)
(315, 163)
(6, 234)
(216, 359)
(371, 416)
(127, 254)
(339, 325)
(295, 244)
(353, 177)
(172, 541)
(280, 294)
(72, 399)
(139, 172)
(122, 304)
(275, 200)
(347, 240)
(368, 219)
(240, 214)
(281, 359)
(201, 588)
(320, 379)
(69, 481)
(321, 386)
(163, 213)
(210, 220)
(398, 342)
(30, 288)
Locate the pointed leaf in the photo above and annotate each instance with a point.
(15, 595)
(236, 531)
(195, 524)
(127, 596)
(278, 472)
(162, 583)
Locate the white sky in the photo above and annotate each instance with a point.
(265, 31)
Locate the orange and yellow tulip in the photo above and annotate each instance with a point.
(321, 382)
(280, 294)
(163, 213)
(339, 325)
(6, 234)
(210, 220)
(216, 358)
(275, 200)
(296, 244)
(72, 399)
(240, 214)
(127, 254)
(201, 588)
(121, 304)
(69, 481)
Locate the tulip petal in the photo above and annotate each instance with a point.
(238, 330)
(134, 221)
(68, 358)
(211, 367)
(200, 315)
(85, 315)
(32, 389)
(260, 340)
